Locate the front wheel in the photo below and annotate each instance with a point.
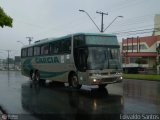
(102, 86)
(74, 81)
(32, 76)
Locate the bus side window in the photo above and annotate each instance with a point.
(45, 49)
(30, 51)
(66, 45)
(24, 53)
(54, 47)
(51, 48)
(36, 50)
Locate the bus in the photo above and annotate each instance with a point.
(77, 59)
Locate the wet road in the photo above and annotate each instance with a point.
(19, 96)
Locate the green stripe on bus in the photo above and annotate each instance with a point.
(44, 74)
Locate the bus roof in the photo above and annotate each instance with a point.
(46, 40)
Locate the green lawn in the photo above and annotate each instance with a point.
(141, 76)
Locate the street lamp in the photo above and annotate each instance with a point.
(21, 42)
(91, 19)
(112, 22)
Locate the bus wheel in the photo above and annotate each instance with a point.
(37, 79)
(37, 76)
(74, 81)
(32, 76)
(102, 86)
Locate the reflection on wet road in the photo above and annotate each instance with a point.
(18, 95)
(63, 101)
(141, 96)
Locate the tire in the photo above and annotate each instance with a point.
(32, 76)
(37, 76)
(38, 79)
(74, 81)
(102, 86)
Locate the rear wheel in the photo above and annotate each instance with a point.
(73, 81)
(37, 78)
(32, 75)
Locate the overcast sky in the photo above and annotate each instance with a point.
(53, 18)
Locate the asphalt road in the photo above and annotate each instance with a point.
(24, 100)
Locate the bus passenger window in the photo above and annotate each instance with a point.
(30, 51)
(36, 50)
(24, 53)
(54, 48)
(45, 49)
(66, 45)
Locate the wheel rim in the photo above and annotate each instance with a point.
(37, 76)
(32, 76)
(74, 81)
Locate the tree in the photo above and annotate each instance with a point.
(5, 20)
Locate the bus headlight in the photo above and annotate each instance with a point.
(94, 80)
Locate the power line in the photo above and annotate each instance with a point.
(136, 33)
(126, 30)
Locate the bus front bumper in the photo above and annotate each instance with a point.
(97, 80)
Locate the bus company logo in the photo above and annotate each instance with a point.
(47, 60)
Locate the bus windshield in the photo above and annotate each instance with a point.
(103, 58)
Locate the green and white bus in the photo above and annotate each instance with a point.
(78, 59)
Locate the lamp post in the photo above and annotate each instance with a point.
(102, 25)
(112, 22)
(91, 19)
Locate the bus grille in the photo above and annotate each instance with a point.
(108, 73)
(108, 79)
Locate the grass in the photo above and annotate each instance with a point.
(142, 76)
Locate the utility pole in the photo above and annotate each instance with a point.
(102, 13)
(29, 39)
(8, 60)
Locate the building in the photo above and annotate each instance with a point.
(157, 32)
(140, 52)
